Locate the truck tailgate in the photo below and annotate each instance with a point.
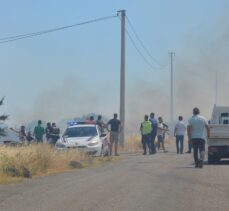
(219, 131)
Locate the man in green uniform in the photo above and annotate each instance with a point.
(146, 129)
(39, 132)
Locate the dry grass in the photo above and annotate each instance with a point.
(133, 144)
(40, 160)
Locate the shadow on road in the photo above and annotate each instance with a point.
(185, 167)
(222, 162)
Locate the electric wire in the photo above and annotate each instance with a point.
(33, 34)
(142, 44)
(139, 52)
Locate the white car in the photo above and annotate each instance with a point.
(86, 137)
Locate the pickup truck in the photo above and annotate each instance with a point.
(218, 142)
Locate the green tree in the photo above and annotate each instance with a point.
(2, 119)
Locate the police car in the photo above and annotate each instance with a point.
(82, 136)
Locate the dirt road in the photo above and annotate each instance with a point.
(161, 182)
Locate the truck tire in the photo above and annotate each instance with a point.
(211, 159)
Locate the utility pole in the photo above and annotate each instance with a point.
(216, 88)
(171, 90)
(122, 77)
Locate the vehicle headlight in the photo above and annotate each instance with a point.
(93, 143)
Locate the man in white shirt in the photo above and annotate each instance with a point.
(161, 129)
(179, 133)
(198, 132)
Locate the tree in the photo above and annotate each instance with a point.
(2, 119)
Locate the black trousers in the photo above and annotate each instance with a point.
(198, 149)
(153, 147)
(146, 141)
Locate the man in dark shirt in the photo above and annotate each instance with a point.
(114, 133)
(154, 123)
(48, 131)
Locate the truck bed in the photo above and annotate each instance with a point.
(219, 131)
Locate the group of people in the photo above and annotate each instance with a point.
(150, 129)
(51, 132)
(113, 126)
(197, 132)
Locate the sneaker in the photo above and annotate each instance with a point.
(196, 165)
(188, 152)
(144, 153)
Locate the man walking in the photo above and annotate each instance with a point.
(146, 131)
(115, 126)
(179, 133)
(154, 132)
(197, 130)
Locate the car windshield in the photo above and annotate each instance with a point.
(80, 132)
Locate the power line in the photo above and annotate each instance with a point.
(142, 44)
(138, 50)
(33, 34)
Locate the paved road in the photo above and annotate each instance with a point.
(161, 182)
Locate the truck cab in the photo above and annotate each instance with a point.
(218, 142)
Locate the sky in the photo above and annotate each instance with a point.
(76, 71)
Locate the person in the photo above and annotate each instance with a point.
(179, 133)
(21, 133)
(115, 126)
(48, 131)
(55, 133)
(29, 137)
(39, 132)
(146, 133)
(161, 129)
(91, 120)
(197, 130)
(101, 124)
(154, 123)
(189, 146)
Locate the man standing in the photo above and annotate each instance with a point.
(115, 126)
(101, 124)
(161, 129)
(154, 132)
(48, 131)
(197, 130)
(39, 132)
(146, 131)
(179, 133)
(55, 133)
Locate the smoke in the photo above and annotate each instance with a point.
(72, 98)
(204, 53)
